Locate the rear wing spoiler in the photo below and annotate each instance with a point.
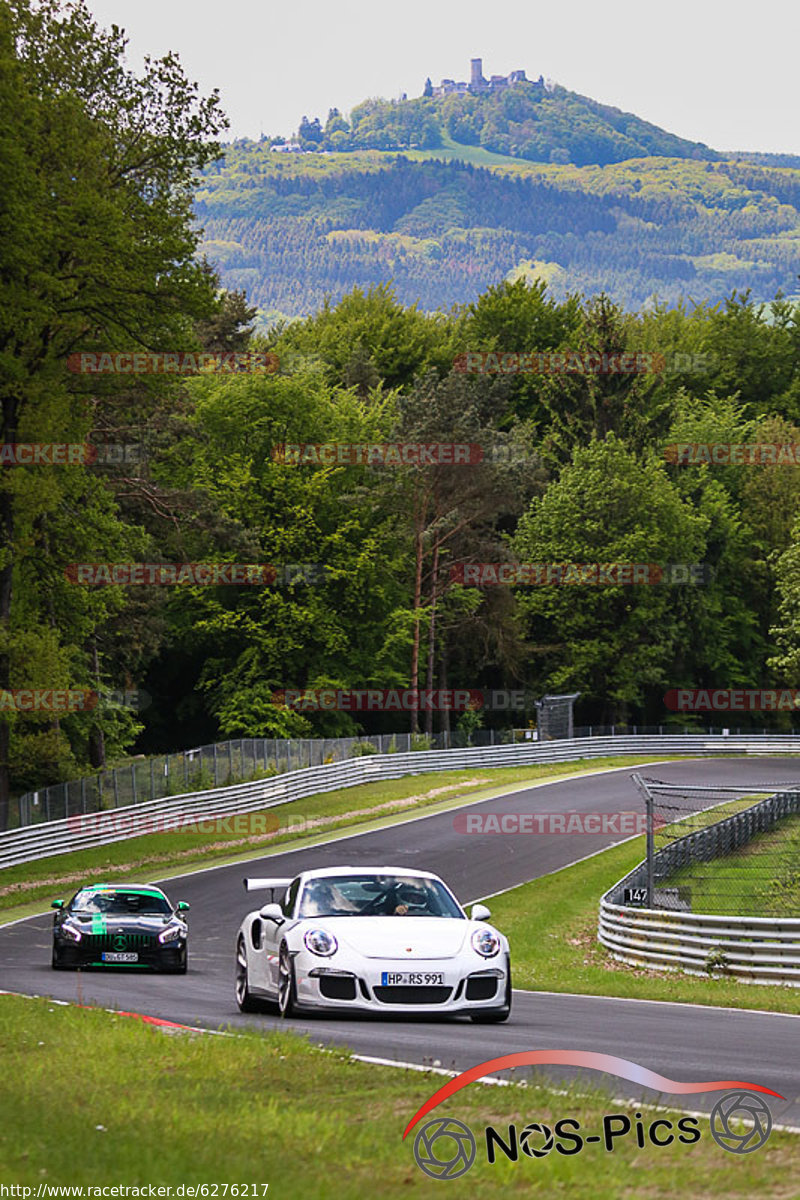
(270, 885)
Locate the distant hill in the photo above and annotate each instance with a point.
(291, 228)
(529, 120)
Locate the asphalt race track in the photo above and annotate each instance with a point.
(683, 1042)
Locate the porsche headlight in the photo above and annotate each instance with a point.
(171, 933)
(71, 932)
(486, 943)
(319, 941)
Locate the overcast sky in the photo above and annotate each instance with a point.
(724, 72)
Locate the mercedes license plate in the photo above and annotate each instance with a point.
(119, 956)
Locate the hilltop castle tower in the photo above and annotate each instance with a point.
(477, 84)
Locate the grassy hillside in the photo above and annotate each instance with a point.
(529, 120)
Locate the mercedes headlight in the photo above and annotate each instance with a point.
(319, 941)
(171, 933)
(71, 932)
(486, 943)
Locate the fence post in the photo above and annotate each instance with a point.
(648, 805)
(116, 786)
(133, 781)
(214, 747)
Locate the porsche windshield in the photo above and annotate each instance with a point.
(118, 903)
(376, 896)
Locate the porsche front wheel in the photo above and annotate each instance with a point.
(247, 1003)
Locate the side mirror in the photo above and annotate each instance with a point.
(57, 904)
(273, 912)
(480, 912)
(183, 906)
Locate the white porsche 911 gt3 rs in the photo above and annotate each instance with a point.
(382, 939)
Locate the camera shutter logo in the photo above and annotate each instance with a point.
(444, 1148)
(528, 1137)
(740, 1106)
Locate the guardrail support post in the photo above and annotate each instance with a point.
(649, 808)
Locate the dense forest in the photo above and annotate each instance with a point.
(293, 229)
(367, 590)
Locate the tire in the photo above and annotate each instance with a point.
(287, 985)
(246, 1001)
(493, 1016)
(56, 962)
(183, 965)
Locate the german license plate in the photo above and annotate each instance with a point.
(119, 956)
(411, 978)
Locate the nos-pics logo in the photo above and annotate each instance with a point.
(444, 1148)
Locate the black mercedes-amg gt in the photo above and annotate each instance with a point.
(120, 925)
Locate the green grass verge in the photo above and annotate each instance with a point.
(552, 926)
(95, 1099)
(160, 855)
(762, 877)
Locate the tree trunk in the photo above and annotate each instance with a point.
(431, 643)
(419, 525)
(97, 740)
(445, 719)
(9, 434)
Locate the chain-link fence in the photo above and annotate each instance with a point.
(225, 763)
(728, 850)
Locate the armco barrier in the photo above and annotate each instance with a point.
(755, 949)
(56, 837)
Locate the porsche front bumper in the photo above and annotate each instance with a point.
(464, 988)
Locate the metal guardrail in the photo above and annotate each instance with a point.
(78, 832)
(223, 764)
(755, 949)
